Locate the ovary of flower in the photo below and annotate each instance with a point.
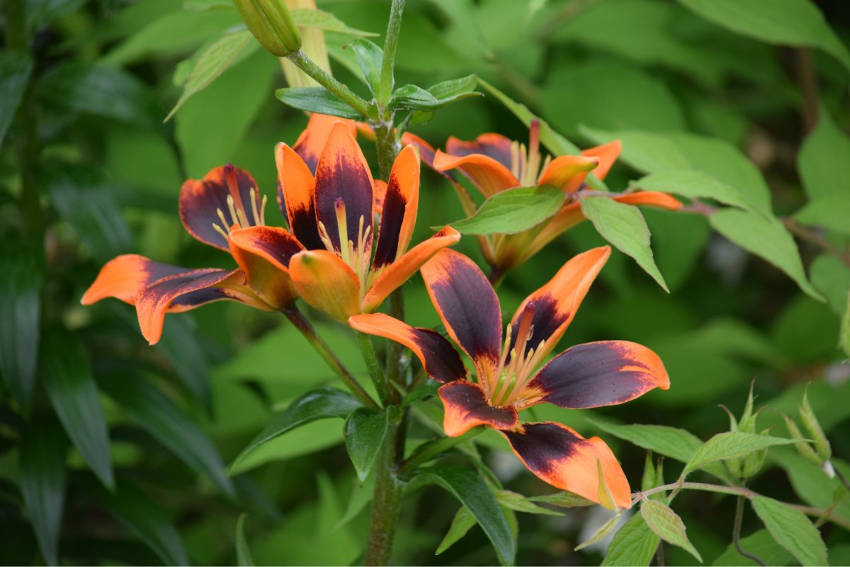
(356, 254)
(238, 216)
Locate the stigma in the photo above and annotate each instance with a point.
(526, 163)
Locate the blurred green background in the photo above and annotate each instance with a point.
(88, 170)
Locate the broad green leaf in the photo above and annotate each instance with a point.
(460, 526)
(809, 481)
(153, 411)
(601, 533)
(792, 530)
(766, 237)
(312, 18)
(692, 184)
(824, 159)
(73, 394)
(365, 430)
(785, 22)
(243, 552)
(667, 525)
(512, 211)
(370, 58)
(623, 226)
(832, 278)
(762, 545)
(412, 97)
(633, 544)
(556, 143)
(468, 487)
(729, 445)
(137, 511)
(671, 442)
(830, 211)
(319, 404)
(211, 62)
(455, 89)
(20, 312)
(315, 99)
(15, 69)
(42, 480)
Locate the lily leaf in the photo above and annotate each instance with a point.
(365, 431)
(315, 99)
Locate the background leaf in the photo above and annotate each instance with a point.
(792, 530)
(731, 444)
(667, 525)
(633, 544)
(15, 70)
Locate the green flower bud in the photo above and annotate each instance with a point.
(801, 445)
(272, 25)
(752, 463)
(810, 422)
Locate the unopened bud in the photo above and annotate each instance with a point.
(801, 444)
(810, 422)
(272, 25)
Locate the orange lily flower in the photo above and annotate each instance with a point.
(226, 211)
(493, 163)
(509, 376)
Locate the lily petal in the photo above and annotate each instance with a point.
(402, 269)
(125, 276)
(601, 373)
(312, 140)
(492, 145)
(182, 292)
(487, 174)
(203, 203)
(295, 195)
(607, 155)
(398, 208)
(467, 305)
(555, 304)
(327, 283)
(437, 355)
(561, 457)
(263, 253)
(426, 150)
(466, 407)
(651, 199)
(343, 179)
(567, 172)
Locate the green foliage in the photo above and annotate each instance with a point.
(792, 530)
(365, 431)
(667, 525)
(513, 211)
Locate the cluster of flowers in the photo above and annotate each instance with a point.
(348, 248)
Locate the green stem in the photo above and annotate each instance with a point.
(322, 77)
(736, 532)
(435, 448)
(386, 502)
(367, 349)
(302, 324)
(385, 89)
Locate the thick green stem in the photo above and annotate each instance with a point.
(302, 324)
(367, 349)
(385, 88)
(322, 77)
(386, 501)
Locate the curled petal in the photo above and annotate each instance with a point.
(601, 373)
(651, 199)
(561, 457)
(263, 253)
(466, 407)
(186, 291)
(492, 145)
(343, 179)
(567, 172)
(487, 174)
(437, 355)
(426, 150)
(398, 208)
(327, 283)
(125, 276)
(400, 271)
(555, 304)
(295, 195)
(607, 155)
(204, 204)
(312, 140)
(467, 305)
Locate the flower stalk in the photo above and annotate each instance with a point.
(340, 90)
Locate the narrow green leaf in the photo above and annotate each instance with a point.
(693, 184)
(365, 430)
(623, 226)
(42, 479)
(412, 97)
(784, 22)
(72, 391)
(319, 404)
(512, 211)
(211, 62)
(633, 544)
(312, 18)
(667, 525)
(243, 552)
(556, 143)
(603, 532)
(137, 511)
(455, 89)
(461, 524)
(564, 499)
(729, 445)
(361, 494)
(824, 159)
(830, 212)
(156, 413)
(766, 237)
(370, 58)
(20, 312)
(792, 530)
(315, 99)
(15, 70)
(519, 503)
(468, 487)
